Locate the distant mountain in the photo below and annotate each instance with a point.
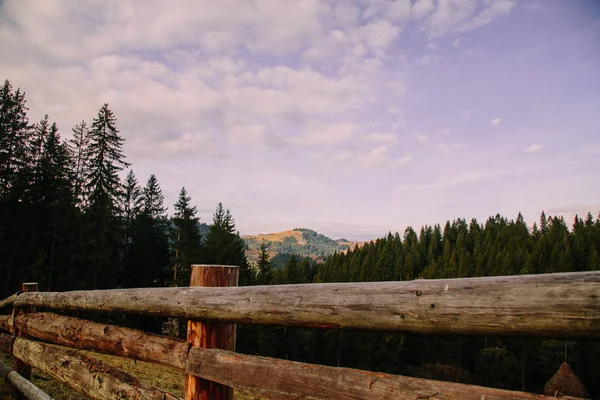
(301, 242)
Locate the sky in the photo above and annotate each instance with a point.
(352, 118)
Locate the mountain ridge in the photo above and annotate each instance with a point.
(301, 242)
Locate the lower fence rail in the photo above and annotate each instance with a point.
(28, 389)
(94, 378)
(269, 378)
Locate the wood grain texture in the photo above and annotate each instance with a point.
(281, 379)
(9, 300)
(23, 369)
(563, 305)
(6, 342)
(103, 338)
(28, 389)
(4, 323)
(210, 334)
(93, 378)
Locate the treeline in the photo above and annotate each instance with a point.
(72, 218)
(460, 249)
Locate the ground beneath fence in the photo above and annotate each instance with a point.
(166, 378)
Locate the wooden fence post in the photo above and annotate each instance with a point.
(19, 366)
(210, 334)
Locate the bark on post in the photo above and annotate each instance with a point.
(210, 334)
(19, 366)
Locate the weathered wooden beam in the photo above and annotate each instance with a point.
(28, 389)
(565, 305)
(23, 369)
(4, 323)
(103, 338)
(281, 379)
(94, 378)
(210, 334)
(9, 300)
(6, 342)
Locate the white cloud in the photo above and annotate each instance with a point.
(241, 135)
(394, 110)
(467, 114)
(422, 8)
(450, 147)
(342, 156)
(533, 148)
(495, 121)
(497, 8)
(385, 137)
(319, 133)
(428, 59)
(379, 34)
(345, 15)
(421, 137)
(378, 157)
(399, 11)
(464, 15)
(432, 46)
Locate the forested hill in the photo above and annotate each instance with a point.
(499, 246)
(300, 242)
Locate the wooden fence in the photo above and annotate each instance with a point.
(565, 306)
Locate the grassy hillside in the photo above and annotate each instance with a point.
(299, 241)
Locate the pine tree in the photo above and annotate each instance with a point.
(14, 136)
(186, 239)
(57, 205)
(106, 161)
(153, 199)
(148, 256)
(78, 147)
(225, 246)
(265, 272)
(132, 198)
(14, 158)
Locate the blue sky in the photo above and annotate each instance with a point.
(352, 118)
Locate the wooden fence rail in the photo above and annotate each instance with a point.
(25, 387)
(553, 305)
(262, 376)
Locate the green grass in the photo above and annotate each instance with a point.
(166, 378)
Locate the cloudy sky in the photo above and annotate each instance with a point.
(348, 117)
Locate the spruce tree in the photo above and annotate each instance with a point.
(106, 161)
(132, 198)
(225, 246)
(186, 238)
(153, 199)
(78, 148)
(57, 205)
(265, 272)
(148, 256)
(14, 136)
